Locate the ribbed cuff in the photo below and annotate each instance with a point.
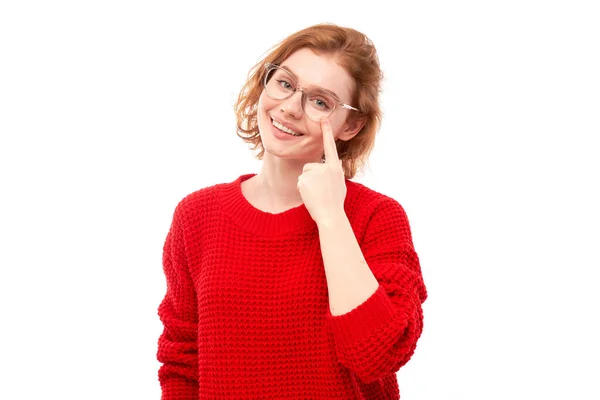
(179, 389)
(360, 322)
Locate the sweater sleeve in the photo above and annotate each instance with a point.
(379, 336)
(177, 346)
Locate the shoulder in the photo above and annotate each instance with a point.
(375, 214)
(198, 203)
(366, 201)
(198, 197)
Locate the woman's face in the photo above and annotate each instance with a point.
(311, 70)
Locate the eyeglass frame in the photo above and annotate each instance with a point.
(270, 66)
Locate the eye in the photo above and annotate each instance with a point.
(321, 103)
(284, 84)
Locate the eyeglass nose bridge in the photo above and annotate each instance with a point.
(299, 89)
(302, 96)
(303, 101)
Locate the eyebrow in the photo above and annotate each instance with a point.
(295, 76)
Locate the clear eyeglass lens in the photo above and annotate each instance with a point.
(317, 103)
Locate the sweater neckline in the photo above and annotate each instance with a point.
(259, 222)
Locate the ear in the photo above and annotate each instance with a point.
(351, 128)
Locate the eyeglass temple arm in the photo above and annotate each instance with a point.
(349, 107)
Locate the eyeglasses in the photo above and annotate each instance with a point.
(317, 103)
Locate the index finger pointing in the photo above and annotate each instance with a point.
(331, 154)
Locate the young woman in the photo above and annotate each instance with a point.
(294, 283)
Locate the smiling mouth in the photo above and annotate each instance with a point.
(285, 129)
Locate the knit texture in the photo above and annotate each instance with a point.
(246, 312)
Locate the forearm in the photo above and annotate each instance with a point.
(350, 281)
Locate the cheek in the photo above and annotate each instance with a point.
(262, 115)
(337, 126)
(314, 129)
(265, 103)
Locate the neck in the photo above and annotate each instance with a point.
(277, 180)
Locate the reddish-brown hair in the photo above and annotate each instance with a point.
(353, 51)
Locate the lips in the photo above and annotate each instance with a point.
(287, 126)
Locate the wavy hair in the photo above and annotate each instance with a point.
(354, 52)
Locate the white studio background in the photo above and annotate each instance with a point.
(111, 112)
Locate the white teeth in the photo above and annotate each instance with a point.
(287, 130)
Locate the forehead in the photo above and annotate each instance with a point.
(312, 69)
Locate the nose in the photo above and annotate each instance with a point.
(293, 104)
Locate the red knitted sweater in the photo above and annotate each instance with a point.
(246, 312)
